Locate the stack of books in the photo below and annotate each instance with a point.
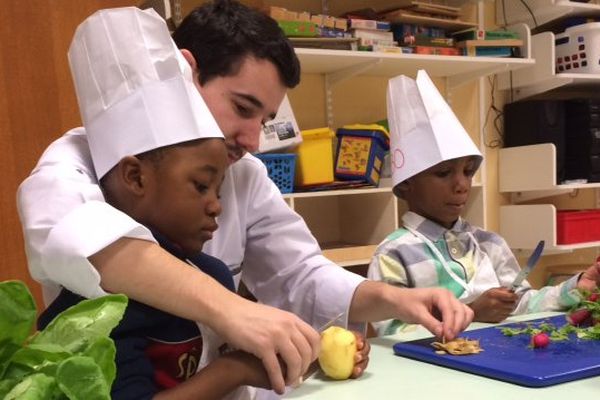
(372, 35)
(477, 42)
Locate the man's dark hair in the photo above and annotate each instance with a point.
(222, 33)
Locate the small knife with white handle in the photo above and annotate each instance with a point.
(531, 262)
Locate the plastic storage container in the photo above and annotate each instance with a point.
(360, 152)
(281, 168)
(577, 226)
(315, 157)
(578, 49)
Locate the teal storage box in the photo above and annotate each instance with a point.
(281, 168)
(360, 152)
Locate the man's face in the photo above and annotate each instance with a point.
(241, 103)
(182, 197)
(440, 193)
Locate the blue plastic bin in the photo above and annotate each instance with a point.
(360, 154)
(281, 168)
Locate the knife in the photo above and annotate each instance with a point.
(533, 259)
(314, 366)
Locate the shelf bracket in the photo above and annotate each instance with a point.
(334, 78)
(520, 197)
(455, 81)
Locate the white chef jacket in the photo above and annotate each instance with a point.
(65, 220)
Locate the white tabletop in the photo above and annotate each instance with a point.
(390, 375)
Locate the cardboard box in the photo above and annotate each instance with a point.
(282, 131)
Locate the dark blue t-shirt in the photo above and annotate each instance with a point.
(155, 350)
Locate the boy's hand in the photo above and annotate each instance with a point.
(494, 305)
(590, 278)
(361, 358)
(249, 368)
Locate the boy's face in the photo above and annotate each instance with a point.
(440, 193)
(181, 198)
(242, 102)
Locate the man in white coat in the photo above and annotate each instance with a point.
(242, 67)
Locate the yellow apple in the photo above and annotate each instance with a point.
(338, 347)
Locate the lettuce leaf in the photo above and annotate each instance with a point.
(73, 358)
(17, 312)
(84, 323)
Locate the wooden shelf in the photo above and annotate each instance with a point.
(349, 256)
(541, 77)
(544, 10)
(458, 69)
(343, 192)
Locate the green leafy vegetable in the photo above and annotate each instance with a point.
(586, 312)
(73, 358)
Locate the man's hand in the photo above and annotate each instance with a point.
(590, 279)
(436, 309)
(494, 305)
(271, 335)
(361, 358)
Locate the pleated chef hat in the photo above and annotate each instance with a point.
(134, 88)
(424, 130)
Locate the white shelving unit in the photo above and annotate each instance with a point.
(541, 77)
(529, 173)
(513, 11)
(349, 224)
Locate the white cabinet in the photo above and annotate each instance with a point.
(529, 173)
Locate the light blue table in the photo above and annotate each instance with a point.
(390, 376)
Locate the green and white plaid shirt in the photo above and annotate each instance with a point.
(478, 260)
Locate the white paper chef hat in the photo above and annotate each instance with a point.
(424, 130)
(134, 88)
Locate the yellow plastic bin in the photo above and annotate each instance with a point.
(314, 164)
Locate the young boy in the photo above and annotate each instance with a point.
(160, 158)
(434, 161)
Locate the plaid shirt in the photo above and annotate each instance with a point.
(474, 261)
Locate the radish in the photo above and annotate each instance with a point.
(594, 297)
(540, 340)
(579, 317)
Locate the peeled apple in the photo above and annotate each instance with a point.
(338, 347)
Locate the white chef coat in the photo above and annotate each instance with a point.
(65, 220)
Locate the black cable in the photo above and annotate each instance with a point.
(497, 118)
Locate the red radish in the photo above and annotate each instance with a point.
(540, 340)
(594, 297)
(579, 317)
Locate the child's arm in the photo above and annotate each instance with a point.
(220, 378)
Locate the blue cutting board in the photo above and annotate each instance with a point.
(510, 359)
